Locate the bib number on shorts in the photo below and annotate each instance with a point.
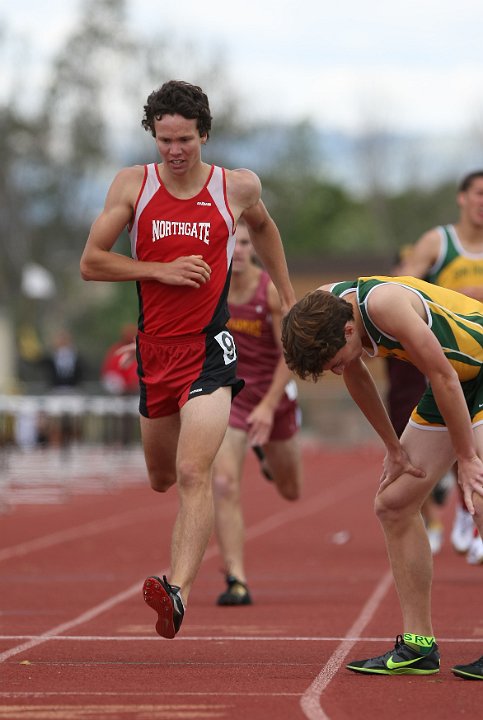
(227, 344)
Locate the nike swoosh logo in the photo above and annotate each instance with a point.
(394, 665)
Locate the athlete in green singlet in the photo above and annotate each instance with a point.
(441, 332)
(452, 256)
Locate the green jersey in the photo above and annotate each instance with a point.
(457, 322)
(455, 267)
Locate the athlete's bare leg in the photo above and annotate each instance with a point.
(204, 420)
(285, 463)
(398, 508)
(160, 442)
(229, 524)
(192, 439)
(477, 499)
(284, 460)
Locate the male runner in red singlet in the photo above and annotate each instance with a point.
(264, 415)
(181, 215)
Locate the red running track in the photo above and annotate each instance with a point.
(77, 642)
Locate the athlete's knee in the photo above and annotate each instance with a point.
(191, 474)
(161, 468)
(161, 480)
(390, 507)
(225, 486)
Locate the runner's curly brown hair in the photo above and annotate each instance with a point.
(177, 97)
(313, 332)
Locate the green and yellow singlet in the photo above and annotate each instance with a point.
(457, 322)
(455, 267)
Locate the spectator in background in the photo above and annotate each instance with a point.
(64, 373)
(63, 365)
(118, 375)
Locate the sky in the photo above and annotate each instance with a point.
(412, 66)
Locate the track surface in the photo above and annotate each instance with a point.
(77, 641)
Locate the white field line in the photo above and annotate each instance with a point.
(81, 531)
(75, 693)
(228, 638)
(310, 700)
(301, 510)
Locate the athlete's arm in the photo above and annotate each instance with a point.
(244, 197)
(261, 417)
(399, 313)
(365, 394)
(99, 262)
(473, 291)
(422, 256)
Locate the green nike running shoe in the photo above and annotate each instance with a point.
(473, 671)
(403, 660)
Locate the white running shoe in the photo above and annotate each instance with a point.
(435, 537)
(462, 532)
(475, 553)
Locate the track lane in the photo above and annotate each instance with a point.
(309, 592)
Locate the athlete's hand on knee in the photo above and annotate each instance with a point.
(394, 466)
(470, 479)
(191, 270)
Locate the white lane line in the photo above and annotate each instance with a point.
(301, 510)
(306, 508)
(228, 638)
(184, 638)
(98, 526)
(81, 531)
(79, 620)
(145, 693)
(310, 700)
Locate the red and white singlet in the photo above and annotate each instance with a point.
(165, 228)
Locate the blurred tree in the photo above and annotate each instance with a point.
(317, 218)
(59, 154)
(49, 149)
(416, 209)
(58, 159)
(75, 116)
(17, 148)
(374, 149)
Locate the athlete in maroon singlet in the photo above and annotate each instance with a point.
(181, 215)
(251, 325)
(265, 414)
